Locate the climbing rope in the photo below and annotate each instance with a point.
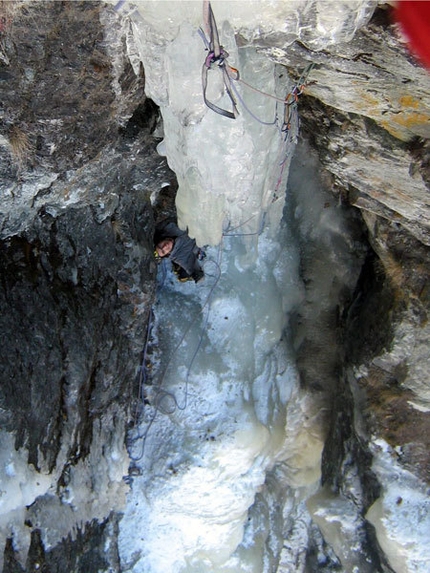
(143, 375)
(251, 113)
(289, 130)
(163, 400)
(229, 230)
(119, 5)
(216, 55)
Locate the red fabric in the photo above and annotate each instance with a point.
(414, 18)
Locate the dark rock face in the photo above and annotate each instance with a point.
(392, 292)
(67, 283)
(57, 85)
(78, 166)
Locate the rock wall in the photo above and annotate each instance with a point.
(378, 161)
(77, 168)
(366, 113)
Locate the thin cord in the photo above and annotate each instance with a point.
(162, 393)
(252, 114)
(201, 337)
(260, 230)
(276, 98)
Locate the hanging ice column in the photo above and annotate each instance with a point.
(228, 170)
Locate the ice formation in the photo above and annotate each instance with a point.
(94, 487)
(225, 408)
(228, 168)
(217, 415)
(401, 516)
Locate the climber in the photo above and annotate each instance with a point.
(185, 255)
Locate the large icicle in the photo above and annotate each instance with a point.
(228, 170)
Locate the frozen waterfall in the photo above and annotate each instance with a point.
(217, 415)
(229, 446)
(224, 412)
(228, 169)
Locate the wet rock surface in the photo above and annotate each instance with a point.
(366, 113)
(391, 297)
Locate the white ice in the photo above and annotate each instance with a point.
(225, 406)
(218, 414)
(401, 516)
(225, 167)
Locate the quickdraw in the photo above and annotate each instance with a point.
(217, 55)
(292, 99)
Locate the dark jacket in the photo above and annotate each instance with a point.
(185, 251)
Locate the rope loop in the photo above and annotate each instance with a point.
(217, 54)
(165, 401)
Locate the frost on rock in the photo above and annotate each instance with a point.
(227, 170)
(20, 485)
(401, 516)
(89, 490)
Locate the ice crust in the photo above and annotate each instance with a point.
(401, 516)
(95, 486)
(20, 485)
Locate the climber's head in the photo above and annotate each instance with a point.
(164, 247)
